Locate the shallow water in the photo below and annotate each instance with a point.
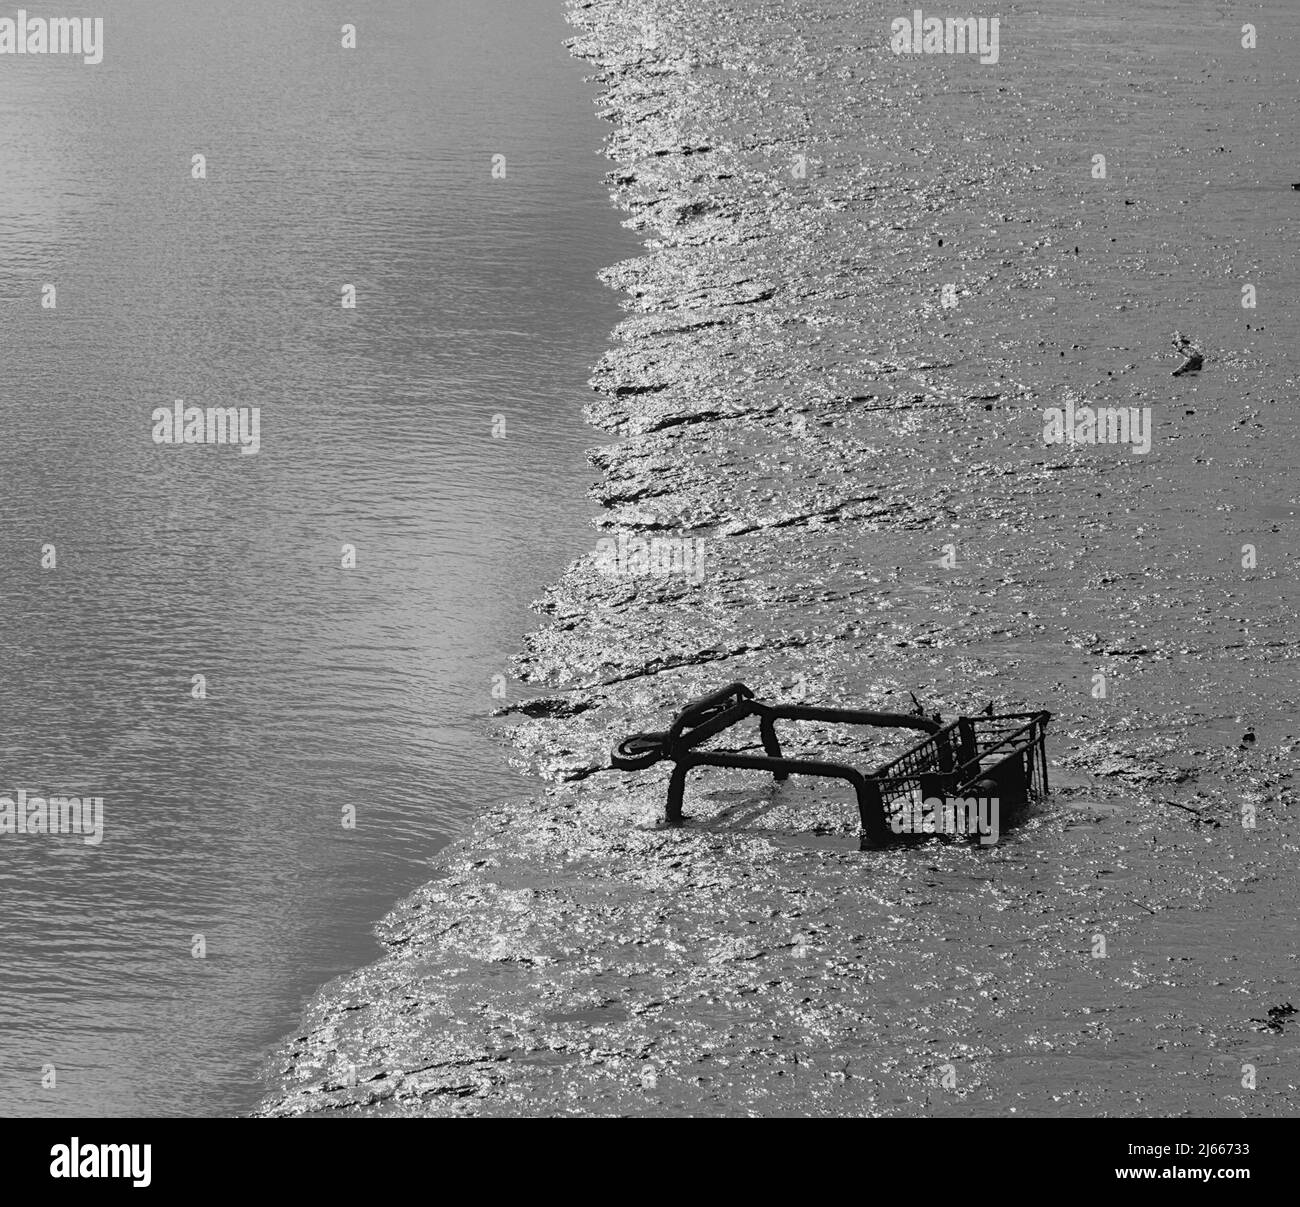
(326, 687)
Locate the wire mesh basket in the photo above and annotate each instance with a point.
(970, 757)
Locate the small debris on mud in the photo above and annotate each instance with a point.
(1277, 1018)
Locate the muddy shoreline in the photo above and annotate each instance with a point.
(833, 370)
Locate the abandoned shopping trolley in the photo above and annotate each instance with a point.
(999, 756)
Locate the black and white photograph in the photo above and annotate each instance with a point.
(649, 559)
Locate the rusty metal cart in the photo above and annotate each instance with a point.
(1001, 756)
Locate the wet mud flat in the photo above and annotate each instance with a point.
(833, 373)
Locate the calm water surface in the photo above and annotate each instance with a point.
(327, 687)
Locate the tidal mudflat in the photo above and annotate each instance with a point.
(868, 279)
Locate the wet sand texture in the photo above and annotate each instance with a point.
(880, 515)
